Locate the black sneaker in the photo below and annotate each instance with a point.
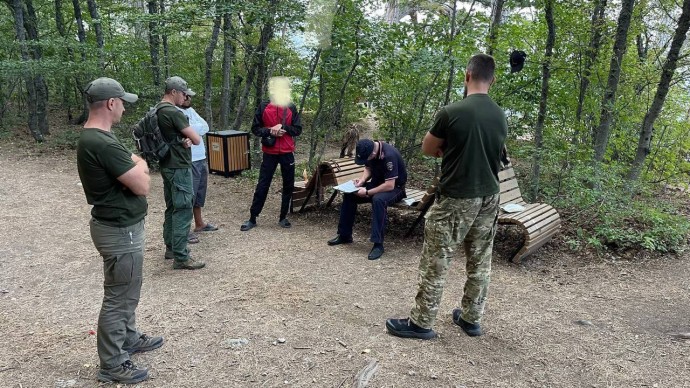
(376, 252)
(337, 240)
(285, 223)
(144, 344)
(125, 373)
(169, 254)
(405, 328)
(471, 329)
(189, 264)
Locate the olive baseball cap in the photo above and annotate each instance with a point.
(105, 88)
(364, 149)
(177, 83)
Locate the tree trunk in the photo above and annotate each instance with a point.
(338, 111)
(541, 117)
(620, 45)
(312, 67)
(78, 78)
(98, 28)
(31, 25)
(257, 54)
(208, 71)
(313, 134)
(154, 42)
(164, 38)
(228, 57)
(451, 68)
(18, 13)
(60, 24)
(598, 25)
(669, 68)
(497, 13)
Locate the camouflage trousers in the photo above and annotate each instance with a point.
(450, 221)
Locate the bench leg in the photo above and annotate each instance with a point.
(419, 218)
(330, 201)
(306, 200)
(414, 225)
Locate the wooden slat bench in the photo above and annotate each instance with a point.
(328, 173)
(423, 201)
(539, 222)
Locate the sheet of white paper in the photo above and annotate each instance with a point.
(410, 201)
(347, 187)
(512, 208)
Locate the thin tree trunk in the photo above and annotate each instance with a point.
(497, 13)
(154, 42)
(98, 28)
(669, 68)
(338, 111)
(597, 27)
(256, 54)
(451, 68)
(79, 77)
(18, 11)
(228, 57)
(164, 38)
(312, 68)
(541, 117)
(208, 71)
(620, 45)
(31, 25)
(60, 24)
(316, 122)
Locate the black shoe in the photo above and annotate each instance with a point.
(405, 328)
(125, 373)
(285, 223)
(337, 240)
(169, 254)
(144, 344)
(376, 252)
(471, 329)
(247, 225)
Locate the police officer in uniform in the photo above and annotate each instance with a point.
(382, 184)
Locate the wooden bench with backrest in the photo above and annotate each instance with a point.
(328, 173)
(539, 222)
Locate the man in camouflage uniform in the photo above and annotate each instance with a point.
(469, 135)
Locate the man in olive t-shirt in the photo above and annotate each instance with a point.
(176, 169)
(469, 135)
(116, 183)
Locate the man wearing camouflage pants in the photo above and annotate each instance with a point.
(469, 135)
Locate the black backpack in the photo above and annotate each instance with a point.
(148, 137)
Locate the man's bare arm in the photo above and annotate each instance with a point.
(432, 145)
(191, 134)
(137, 178)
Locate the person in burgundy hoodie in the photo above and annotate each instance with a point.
(279, 120)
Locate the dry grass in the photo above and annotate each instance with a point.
(329, 304)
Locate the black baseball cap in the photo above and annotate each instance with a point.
(364, 148)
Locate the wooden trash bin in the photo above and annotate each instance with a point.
(228, 152)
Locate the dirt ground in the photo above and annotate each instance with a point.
(560, 319)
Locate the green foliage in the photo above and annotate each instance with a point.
(611, 219)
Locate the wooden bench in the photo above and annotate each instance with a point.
(539, 222)
(423, 199)
(328, 173)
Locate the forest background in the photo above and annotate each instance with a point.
(599, 115)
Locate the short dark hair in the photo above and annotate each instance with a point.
(97, 104)
(482, 67)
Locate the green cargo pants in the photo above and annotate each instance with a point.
(179, 198)
(122, 249)
(450, 221)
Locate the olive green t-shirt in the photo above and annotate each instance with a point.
(474, 130)
(101, 158)
(172, 121)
